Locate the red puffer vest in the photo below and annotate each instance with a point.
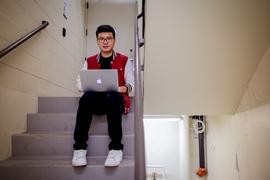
(118, 63)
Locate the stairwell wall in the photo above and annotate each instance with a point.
(237, 146)
(45, 65)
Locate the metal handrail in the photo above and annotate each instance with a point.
(142, 15)
(23, 39)
(140, 168)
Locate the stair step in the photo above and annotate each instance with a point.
(65, 122)
(61, 144)
(64, 104)
(58, 104)
(46, 149)
(60, 168)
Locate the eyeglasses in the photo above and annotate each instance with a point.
(108, 39)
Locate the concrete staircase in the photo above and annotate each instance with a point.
(45, 151)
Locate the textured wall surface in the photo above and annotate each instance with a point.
(45, 65)
(237, 146)
(201, 55)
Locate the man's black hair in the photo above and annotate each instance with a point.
(105, 28)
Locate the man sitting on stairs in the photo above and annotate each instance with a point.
(113, 104)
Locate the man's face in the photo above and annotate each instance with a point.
(105, 42)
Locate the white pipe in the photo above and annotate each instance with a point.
(184, 173)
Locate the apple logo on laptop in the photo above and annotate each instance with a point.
(99, 81)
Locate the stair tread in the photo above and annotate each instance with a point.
(58, 161)
(70, 113)
(65, 134)
(61, 169)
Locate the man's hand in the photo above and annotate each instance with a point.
(122, 89)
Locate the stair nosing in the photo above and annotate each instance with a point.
(51, 134)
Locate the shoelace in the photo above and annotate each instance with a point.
(112, 154)
(80, 154)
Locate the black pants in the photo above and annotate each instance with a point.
(98, 103)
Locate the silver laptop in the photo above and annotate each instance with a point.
(99, 80)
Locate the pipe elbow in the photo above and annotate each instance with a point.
(201, 172)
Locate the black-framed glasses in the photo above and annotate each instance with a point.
(108, 39)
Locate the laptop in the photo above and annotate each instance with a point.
(99, 80)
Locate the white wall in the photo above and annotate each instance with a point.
(45, 65)
(201, 55)
(119, 16)
(237, 146)
(212, 58)
(162, 147)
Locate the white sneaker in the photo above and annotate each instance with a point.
(114, 158)
(79, 158)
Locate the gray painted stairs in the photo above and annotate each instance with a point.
(45, 151)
